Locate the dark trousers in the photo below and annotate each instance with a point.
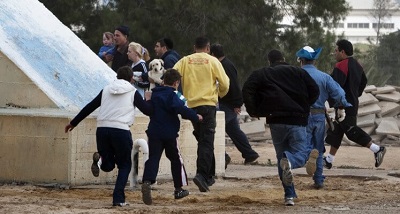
(233, 130)
(156, 148)
(349, 127)
(115, 148)
(204, 133)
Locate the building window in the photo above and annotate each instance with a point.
(357, 25)
(363, 25)
(383, 25)
(351, 25)
(338, 25)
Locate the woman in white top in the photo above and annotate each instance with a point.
(138, 54)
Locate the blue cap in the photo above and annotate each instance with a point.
(309, 53)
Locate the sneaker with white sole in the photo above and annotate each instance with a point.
(251, 160)
(379, 156)
(95, 166)
(289, 202)
(287, 175)
(120, 204)
(311, 164)
(326, 163)
(178, 194)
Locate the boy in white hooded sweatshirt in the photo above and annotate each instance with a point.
(117, 103)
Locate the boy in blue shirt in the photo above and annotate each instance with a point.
(162, 133)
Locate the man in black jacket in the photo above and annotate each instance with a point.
(120, 57)
(231, 104)
(283, 94)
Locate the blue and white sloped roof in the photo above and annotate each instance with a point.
(50, 54)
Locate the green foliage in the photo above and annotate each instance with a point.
(382, 10)
(310, 16)
(293, 38)
(381, 63)
(388, 58)
(71, 12)
(313, 14)
(248, 29)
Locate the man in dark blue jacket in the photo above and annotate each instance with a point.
(283, 94)
(164, 50)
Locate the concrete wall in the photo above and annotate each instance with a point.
(35, 149)
(17, 89)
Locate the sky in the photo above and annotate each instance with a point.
(50, 54)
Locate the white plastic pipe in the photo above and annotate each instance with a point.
(138, 143)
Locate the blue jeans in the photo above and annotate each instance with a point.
(315, 139)
(115, 147)
(237, 136)
(290, 141)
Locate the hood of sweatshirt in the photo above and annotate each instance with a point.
(120, 86)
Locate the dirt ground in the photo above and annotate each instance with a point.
(353, 185)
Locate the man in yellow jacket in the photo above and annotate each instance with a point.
(203, 81)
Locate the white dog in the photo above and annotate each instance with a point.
(157, 70)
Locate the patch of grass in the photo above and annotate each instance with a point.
(363, 47)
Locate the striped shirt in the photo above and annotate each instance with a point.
(180, 95)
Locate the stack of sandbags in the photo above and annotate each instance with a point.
(378, 114)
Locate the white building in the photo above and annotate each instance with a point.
(359, 25)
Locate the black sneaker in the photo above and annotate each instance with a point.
(227, 160)
(201, 183)
(146, 193)
(211, 181)
(379, 156)
(95, 167)
(181, 193)
(318, 186)
(251, 160)
(327, 164)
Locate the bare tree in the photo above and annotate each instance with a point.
(382, 10)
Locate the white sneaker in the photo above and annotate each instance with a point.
(289, 202)
(379, 156)
(121, 204)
